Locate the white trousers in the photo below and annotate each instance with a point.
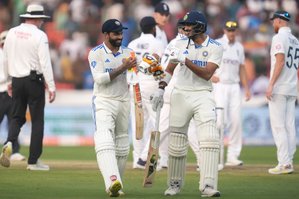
(228, 97)
(282, 117)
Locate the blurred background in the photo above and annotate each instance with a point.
(75, 28)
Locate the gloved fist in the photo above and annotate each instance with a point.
(176, 56)
(147, 62)
(156, 99)
(158, 72)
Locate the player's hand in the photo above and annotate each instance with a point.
(269, 92)
(248, 95)
(156, 99)
(52, 96)
(147, 62)
(215, 79)
(176, 56)
(129, 63)
(158, 72)
(9, 90)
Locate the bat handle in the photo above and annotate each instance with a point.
(157, 118)
(133, 57)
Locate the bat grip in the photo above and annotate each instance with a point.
(133, 57)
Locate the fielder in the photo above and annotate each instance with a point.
(282, 91)
(228, 93)
(199, 56)
(143, 46)
(161, 16)
(111, 105)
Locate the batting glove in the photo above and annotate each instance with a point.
(158, 72)
(147, 61)
(156, 99)
(176, 56)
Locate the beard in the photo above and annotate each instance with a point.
(115, 42)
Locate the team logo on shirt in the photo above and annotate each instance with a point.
(205, 53)
(93, 64)
(278, 47)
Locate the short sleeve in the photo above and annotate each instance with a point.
(277, 45)
(216, 55)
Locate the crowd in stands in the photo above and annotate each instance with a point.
(75, 28)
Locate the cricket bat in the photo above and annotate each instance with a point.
(153, 154)
(138, 107)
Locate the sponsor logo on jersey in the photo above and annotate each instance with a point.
(93, 64)
(205, 53)
(200, 63)
(143, 46)
(230, 61)
(112, 69)
(113, 178)
(293, 41)
(278, 47)
(107, 60)
(186, 52)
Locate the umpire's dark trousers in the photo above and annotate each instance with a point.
(5, 109)
(32, 92)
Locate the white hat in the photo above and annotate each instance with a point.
(34, 11)
(3, 36)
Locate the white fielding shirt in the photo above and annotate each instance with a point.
(233, 57)
(144, 45)
(208, 51)
(102, 60)
(160, 34)
(26, 48)
(284, 42)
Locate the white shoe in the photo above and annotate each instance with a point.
(115, 189)
(17, 157)
(210, 192)
(198, 168)
(233, 162)
(280, 169)
(220, 167)
(38, 166)
(174, 189)
(6, 151)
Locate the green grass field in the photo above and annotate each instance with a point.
(74, 174)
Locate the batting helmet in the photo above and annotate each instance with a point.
(196, 18)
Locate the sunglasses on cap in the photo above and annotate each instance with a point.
(231, 24)
(284, 15)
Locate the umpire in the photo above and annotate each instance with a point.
(27, 68)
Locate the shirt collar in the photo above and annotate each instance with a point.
(205, 43)
(108, 51)
(284, 29)
(225, 38)
(147, 35)
(27, 24)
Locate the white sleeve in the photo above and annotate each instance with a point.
(96, 63)
(216, 56)
(277, 45)
(242, 55)
(45, 62)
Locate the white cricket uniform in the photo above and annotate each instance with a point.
(164, 117)
(111, 109)
(192, 96)
(228, 94)
(160, 34)
(18, 38)
(282, 104)
(144, 45)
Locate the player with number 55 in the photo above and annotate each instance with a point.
(282, 91)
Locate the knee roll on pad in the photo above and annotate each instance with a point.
(122, 145)
(103, 140)
(209, 153)
(177, 151)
